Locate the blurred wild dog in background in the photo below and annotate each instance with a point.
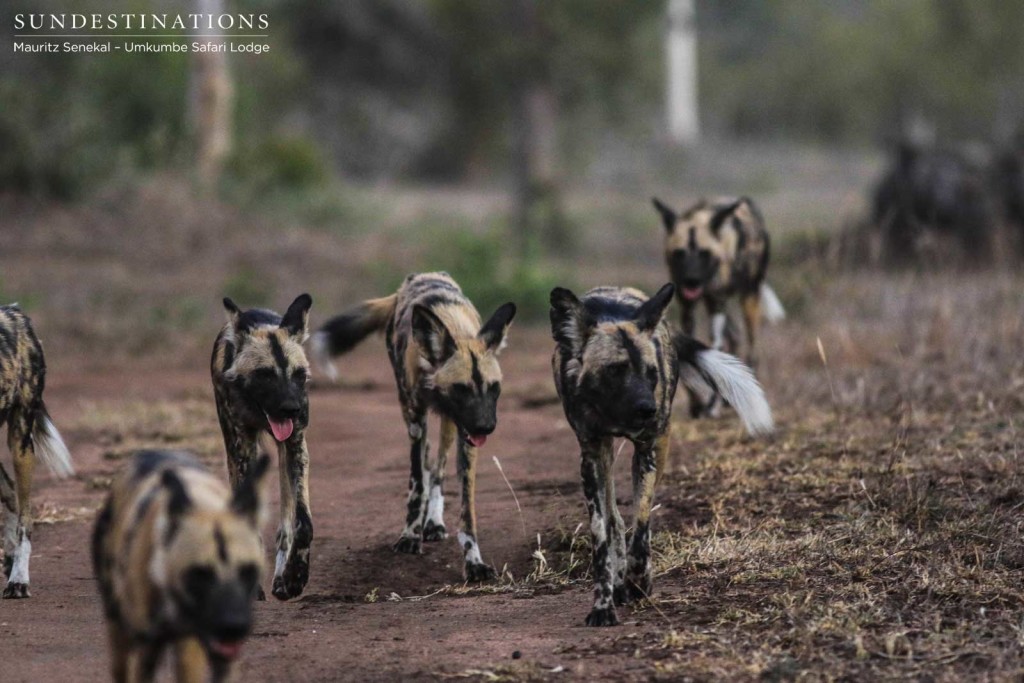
(30, 434)
(260, 372)
(615, 365)
(178, 559)
(445, 360)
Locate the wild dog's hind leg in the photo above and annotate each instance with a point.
(646, 460)
(295, 535)
(475, 568)
(19, 440)
(434, 528)
(594, 471)
(412, 535)
(751, 303)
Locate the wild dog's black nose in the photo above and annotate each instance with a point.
(645, 410)
(289, 409)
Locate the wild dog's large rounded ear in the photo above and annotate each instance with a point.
(233, 311)
(720, 215)
(296, 319)
(495, 330)
(668, 216)
(179, 501)
(248, 498)
(652, 310)
(435, 341)
(569, 321)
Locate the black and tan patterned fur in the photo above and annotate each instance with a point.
(30, 434)
(445, 360)
(178, 560)
(616, 365)
(260, 373)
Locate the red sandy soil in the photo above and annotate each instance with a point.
(359, 474)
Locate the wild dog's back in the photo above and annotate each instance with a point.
(22, 369)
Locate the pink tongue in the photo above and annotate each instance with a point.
(226, 650)
(477, 440)
(281, 430)
(691, 293)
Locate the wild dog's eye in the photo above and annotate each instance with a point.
(248, 575)
(199, 580)
(494, 390)
(300, 376)
(652, 374)
(619, 369)
(461, 390)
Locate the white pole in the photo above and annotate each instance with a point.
(683, 117)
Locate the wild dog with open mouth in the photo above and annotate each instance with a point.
(716, 250)
(178, 559)
(260, 373)
(616, 365)
(30, 434)
(445, 360)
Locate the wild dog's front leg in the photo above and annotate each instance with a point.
(242, 447)
(412, 535)
(475, 568)
(594, 472)
(751, 304)
(434, 528)
(19, 440)
(646, 459)
(9, 503)
(143, 661)
(191, 662)
(616, 528)
(295, 535)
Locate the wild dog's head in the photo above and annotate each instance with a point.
(693, 245)
(210, 558)
(612, 368)
(269, 368)
(463, 375)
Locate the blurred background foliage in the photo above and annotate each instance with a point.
(425, 91)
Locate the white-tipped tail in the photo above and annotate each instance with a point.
(318, 347)
(735, 381)
(50, 448)
(771, 307)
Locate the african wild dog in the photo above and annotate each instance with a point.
(178, 560)
(616, 364)
(30, 434)
(260, 373)
(443, 359)
(717, 250)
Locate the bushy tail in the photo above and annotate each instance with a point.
(771, 307)
(706, 372)
(49, 447)
(343, 332)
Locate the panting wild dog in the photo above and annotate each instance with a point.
(444, 360)
(616, 365)
(716, 250)
(260, 374)
(30, 434)
(178, 560)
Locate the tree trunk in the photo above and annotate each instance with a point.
(211, 102)
(537, 200)
(683, 114)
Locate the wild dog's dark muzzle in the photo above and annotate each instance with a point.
(227, 620)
